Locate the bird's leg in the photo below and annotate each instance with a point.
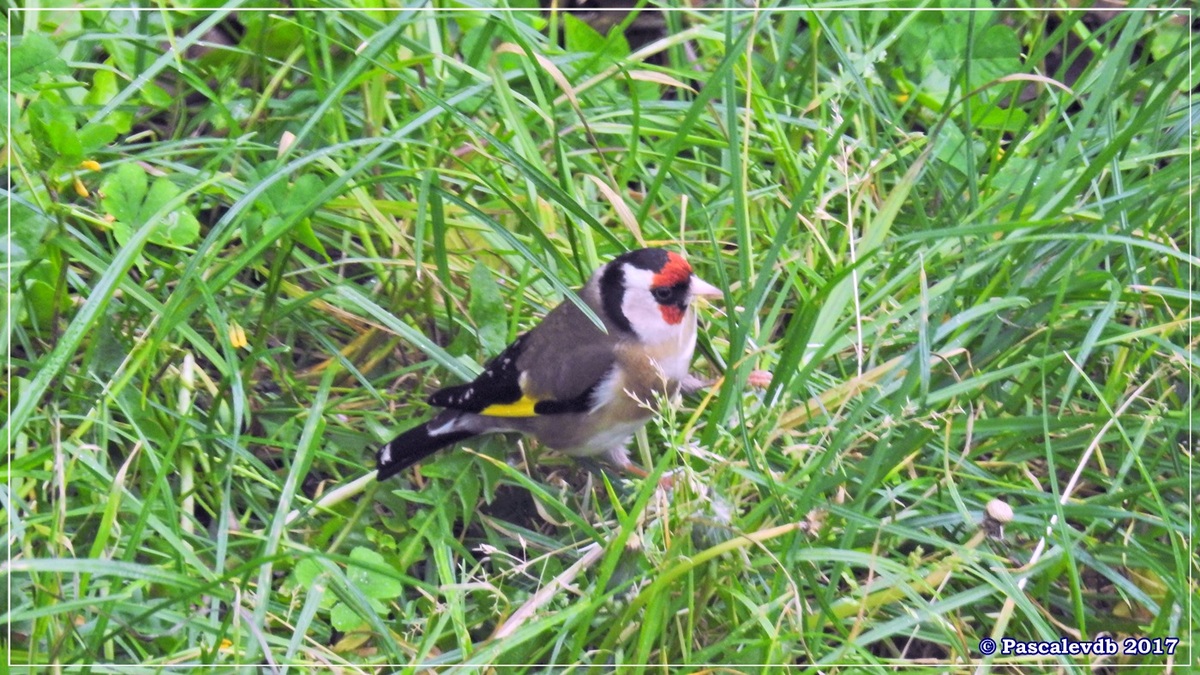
(757, 379)
(619, 458)
(636, 470)
(690, 384)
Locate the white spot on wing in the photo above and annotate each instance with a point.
(607, 389)
(447, 427)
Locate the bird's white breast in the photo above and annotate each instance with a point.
(673, 352)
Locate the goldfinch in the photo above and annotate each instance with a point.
(570, 385)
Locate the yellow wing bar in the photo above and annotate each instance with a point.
(523, 407)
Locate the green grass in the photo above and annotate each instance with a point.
(961, 242)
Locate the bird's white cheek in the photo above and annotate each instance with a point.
(646, 318)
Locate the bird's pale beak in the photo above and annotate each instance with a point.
(703, 289)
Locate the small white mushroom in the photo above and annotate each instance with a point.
(996, 514)
(999, 511)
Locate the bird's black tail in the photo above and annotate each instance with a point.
(415, 445)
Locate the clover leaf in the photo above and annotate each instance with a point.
(131, 200)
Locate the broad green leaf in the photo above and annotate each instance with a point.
(580, 37)
(142, 418)
(303, 232)
(307, 571)
(372, 584)
(35, 55)
(111, 348)
(125, 197)
(942, 44)
(52, 127)
(122, 192)
(486, 308)
(987, 116)
(156, 96)
(268, 37)
(951, 147)
(308, 184)
(38, 290)
(161, 192)
(104, 88)
(346, 619)
(93, 137)
(1171, 41)
(27, 230)
(995, 54)
(179, 227)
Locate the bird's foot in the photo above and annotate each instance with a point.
(666, 482)
(691, 384)
(757, 379)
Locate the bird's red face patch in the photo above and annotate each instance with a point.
(675, 272)
(672, 314)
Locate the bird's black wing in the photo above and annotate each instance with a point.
(498, 384)
(554, 368)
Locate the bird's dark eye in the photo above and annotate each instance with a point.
(662, 293)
